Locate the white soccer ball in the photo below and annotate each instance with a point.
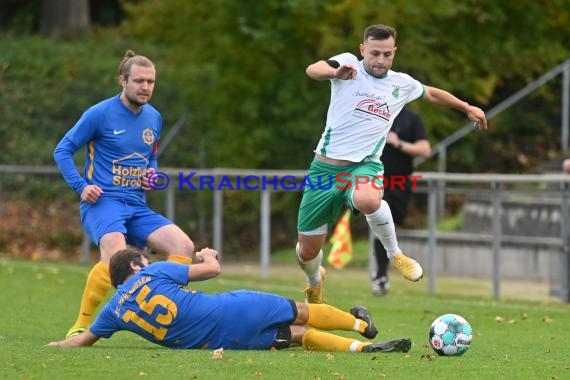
(450, 335)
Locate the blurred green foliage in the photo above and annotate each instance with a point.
(236, 70)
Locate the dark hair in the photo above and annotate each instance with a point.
(130, 59)
(379, 32)
(120, 264)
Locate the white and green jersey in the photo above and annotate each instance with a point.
(361, 111)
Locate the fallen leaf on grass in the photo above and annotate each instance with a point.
(218, 354)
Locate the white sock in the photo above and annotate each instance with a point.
(356, 326)
(382, 224)
(354, 346)
(311, 267)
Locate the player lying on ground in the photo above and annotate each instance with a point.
(151, 303)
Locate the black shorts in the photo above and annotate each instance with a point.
(283, 336)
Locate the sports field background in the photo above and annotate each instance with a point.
(512, 338)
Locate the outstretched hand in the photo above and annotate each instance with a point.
(86, 338)
(477, 116)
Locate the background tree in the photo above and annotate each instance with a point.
(27, 16)
(61, 18)
(249, 69)
(236, 68)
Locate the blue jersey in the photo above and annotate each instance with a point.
(152, 304)
(121, 145)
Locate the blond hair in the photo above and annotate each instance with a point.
(130, 59)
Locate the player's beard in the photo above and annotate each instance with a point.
(135, 102)
(375, 74)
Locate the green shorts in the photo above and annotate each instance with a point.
(328, 188)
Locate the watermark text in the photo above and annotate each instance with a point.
(341, 181)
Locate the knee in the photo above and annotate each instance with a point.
(183, 247)
(367, 203)
(111, 243)
(368, 206)
(307, 251)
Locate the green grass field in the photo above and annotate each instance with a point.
(512, 339)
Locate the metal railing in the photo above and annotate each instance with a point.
(494, 186)
(497, 187)
(440, 148)
(553, 185)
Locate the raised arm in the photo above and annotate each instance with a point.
(208, 268)
(86, 338)
(444, 98)
(325, 70)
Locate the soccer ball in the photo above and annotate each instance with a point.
(450, 335)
